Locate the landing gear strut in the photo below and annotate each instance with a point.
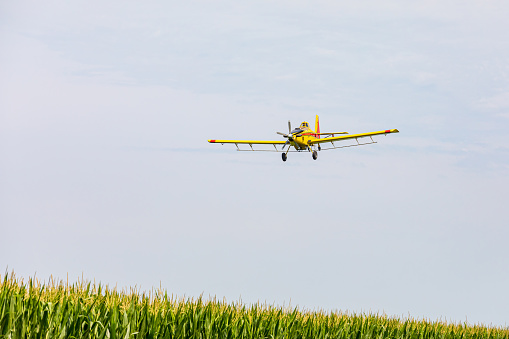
(283, 155)
(315, 155)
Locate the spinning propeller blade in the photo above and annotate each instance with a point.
(286, 143)
(290, 135)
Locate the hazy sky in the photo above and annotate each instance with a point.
(106, 107)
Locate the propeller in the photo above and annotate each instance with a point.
(288, 137)
(290, 134)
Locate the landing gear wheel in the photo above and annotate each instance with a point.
(283, 155)
(315, 155)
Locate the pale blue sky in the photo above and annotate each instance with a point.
(105, 110)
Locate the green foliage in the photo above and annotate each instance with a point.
(86, 310)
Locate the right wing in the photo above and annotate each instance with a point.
(352, 136)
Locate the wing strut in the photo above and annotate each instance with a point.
(354, 145)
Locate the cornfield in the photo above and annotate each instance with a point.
(89, 310)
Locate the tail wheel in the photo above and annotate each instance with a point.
(315, 155)
(283, 155)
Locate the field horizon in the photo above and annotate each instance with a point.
(89, 309)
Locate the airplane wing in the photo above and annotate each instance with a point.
(251, 143)
(331, 133)
(352, 136)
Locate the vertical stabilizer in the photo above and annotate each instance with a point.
(317, 127)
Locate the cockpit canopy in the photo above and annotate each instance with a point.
(304, 125)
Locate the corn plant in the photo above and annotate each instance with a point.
(89, 310)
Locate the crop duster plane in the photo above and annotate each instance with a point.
(304, 138)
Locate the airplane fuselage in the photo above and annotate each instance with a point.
(302, 140)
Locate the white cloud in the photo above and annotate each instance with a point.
(496, 102)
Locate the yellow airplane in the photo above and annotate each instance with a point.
(304, 138)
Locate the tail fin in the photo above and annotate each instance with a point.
(317, 127)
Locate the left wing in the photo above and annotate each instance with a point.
(251, 142)
(264, 144)
(352, 136)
